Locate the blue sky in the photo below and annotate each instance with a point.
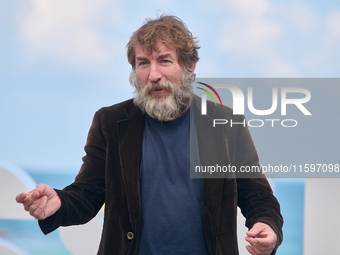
(63, 60)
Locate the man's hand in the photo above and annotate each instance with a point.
(261, 238)
(41, 202)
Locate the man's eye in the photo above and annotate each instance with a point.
(142, 63)
(165, 61)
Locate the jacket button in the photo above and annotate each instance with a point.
(129, 235)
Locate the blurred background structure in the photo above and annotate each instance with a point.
(60, 61)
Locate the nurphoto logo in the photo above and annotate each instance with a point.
(239, 104)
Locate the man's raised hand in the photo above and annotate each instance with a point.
(42, 202)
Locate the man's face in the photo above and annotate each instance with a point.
(162, 66)
(163, 86)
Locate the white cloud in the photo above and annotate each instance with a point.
(250, 7)
(252, 32)
(279, 39)
(68, 30)
(249, 30)
(299, 16)
(333, 24)
(248, 36)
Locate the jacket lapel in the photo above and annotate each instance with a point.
(212, 187)
(130, 140)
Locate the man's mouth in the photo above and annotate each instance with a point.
(159, 90)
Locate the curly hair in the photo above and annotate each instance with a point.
(168, 30)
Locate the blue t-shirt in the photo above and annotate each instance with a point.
(171, 201)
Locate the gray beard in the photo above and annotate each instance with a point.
(162, 106)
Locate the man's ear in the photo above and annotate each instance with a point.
(192, 67)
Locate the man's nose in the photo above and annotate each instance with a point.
(154, 74)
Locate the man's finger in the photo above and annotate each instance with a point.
(260, 245)
(258, 250)
(251, 250)
(255, 244)
(255, 241)
(21, 197)
(34, 205)
(251, 240)
(39, 213)
(37, 208)
(31, 197)
(40, 188)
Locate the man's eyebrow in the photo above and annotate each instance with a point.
(141, 58)
(165, 56)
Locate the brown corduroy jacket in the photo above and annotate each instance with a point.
(110, 175)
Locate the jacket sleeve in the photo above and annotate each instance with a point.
(82, 200)
(255, 196)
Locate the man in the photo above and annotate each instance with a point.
(137, 163)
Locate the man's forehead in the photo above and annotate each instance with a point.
(161, 49)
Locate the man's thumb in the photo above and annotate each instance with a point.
(255, 230)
